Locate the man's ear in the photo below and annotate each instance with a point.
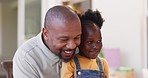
(45, 33)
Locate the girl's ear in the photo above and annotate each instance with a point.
(45, 33)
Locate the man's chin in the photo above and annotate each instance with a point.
(67, 59)
(64, 57)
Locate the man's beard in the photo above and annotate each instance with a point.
(65, 59)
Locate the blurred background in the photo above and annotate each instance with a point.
(125, 30)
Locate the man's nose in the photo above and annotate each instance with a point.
(71, 44)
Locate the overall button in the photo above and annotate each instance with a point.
(79, 73)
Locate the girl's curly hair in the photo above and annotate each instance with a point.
(93, 16)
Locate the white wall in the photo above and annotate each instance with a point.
(123, 29)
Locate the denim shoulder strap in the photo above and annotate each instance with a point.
(77, 63)
(100, 65)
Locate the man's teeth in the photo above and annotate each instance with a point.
(67, 51)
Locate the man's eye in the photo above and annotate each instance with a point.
(63, 40)
(77, 37)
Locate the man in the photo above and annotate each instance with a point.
(40, 56)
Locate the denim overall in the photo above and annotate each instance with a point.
(88, 73)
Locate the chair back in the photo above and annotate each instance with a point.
(7, 65)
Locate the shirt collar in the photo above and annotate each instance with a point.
(46, 51)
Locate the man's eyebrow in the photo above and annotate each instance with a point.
(68, 37)
(62, 37)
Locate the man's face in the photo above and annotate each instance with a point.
(62, 38)
(91, 43)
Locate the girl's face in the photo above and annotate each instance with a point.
(91, 41)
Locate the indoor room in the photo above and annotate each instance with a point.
(124, 31)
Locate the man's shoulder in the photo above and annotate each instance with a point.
(31, 43)
(27, 47)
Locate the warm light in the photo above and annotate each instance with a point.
(67, 3)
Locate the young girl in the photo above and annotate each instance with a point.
(86, 63)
